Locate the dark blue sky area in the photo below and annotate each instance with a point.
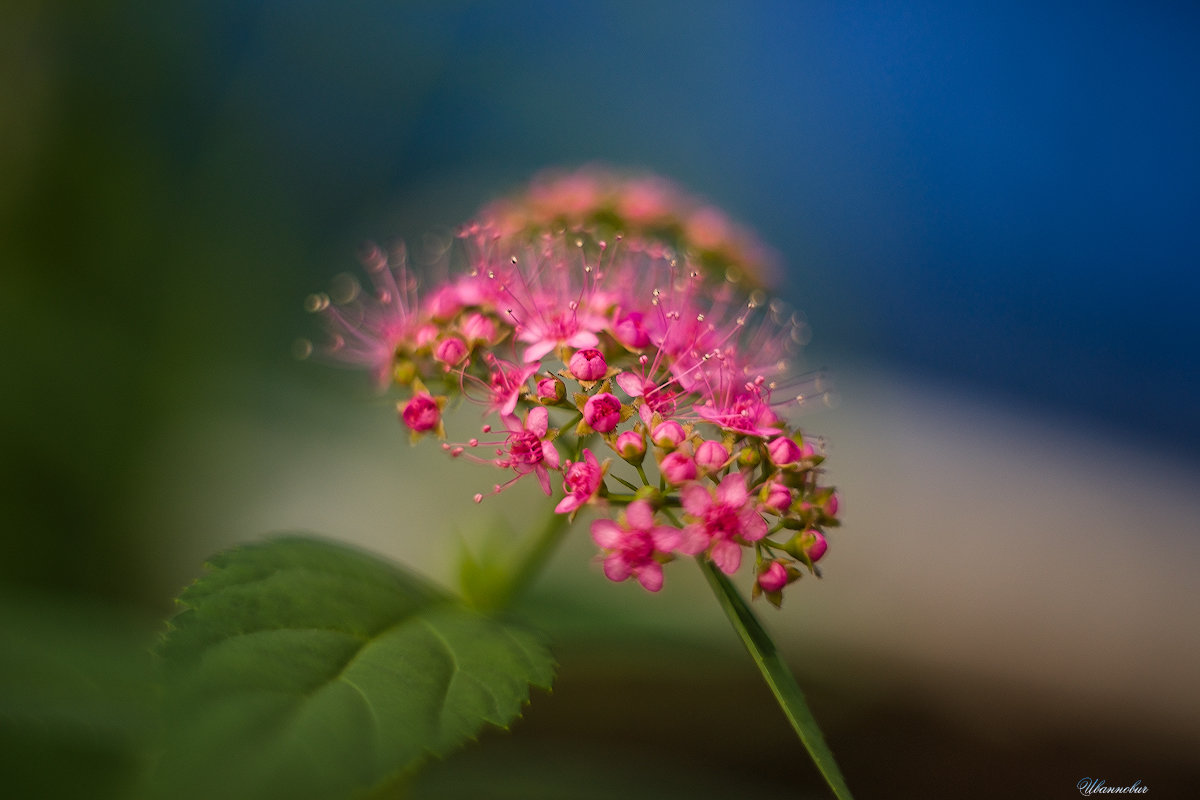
(1000, 194)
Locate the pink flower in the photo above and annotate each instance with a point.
(568, 328)
(422, 413)
(723, 519)
(677, 468)
(526, 450)
(581, 481)
(774, 577)
(507, 381)
(630, 331)
(587, 365)
(747, 413)
(635, 546)
(367, 329)
(603, 412)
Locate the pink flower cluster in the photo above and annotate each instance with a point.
(572, 345)
(640, 206)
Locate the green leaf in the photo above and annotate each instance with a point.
(76, 699)
(777, 675)
(301, 668)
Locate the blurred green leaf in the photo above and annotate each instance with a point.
(305, 669)
(76, 707)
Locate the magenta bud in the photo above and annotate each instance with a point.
(587, 365)
(550, 389)
(776, 496)
(774, 577)
(478, 329)
(783, 451)
(711, 456)
(421, 413)
(602, 412)
(831, 505)
(668, 435)
(677, 468)
(813, 544)
(631, 446)
(450, 351)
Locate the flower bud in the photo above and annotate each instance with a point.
(425, 336)
(602, 412)
(631, 446)
(587, 365)
(812, 543)
(774, 577)
(748, 457)
(550, 390)
(711, 456)
(668, 435)
(478, 328)
(776, 496)
(421, 413)
(450, 351)
(831, 505)
(783, 451)
(677, 468)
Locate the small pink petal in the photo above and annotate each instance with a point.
(606, 533)
(640, 515)
(632, 384)
(550, 455)
(754, 527)
(582, 339)
(732, 491)
(616, 567)
(727, 556)
(650, 576)
(568, 504)
(543, 477)
(666, 539)
(538, 420)
(696, 499)
(694, 539)
(538, 349)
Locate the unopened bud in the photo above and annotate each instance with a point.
(421, 413)
(450, 351)
(550, 390)
(668, 435)
(602, 412)
(774, 577)
(587, 365)
(631, 446)
(711, 456)
(783, 451)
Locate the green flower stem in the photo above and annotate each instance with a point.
(526, 570)
(783, 685)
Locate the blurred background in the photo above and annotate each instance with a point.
(990, 216)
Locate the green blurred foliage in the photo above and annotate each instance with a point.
(160, 225)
